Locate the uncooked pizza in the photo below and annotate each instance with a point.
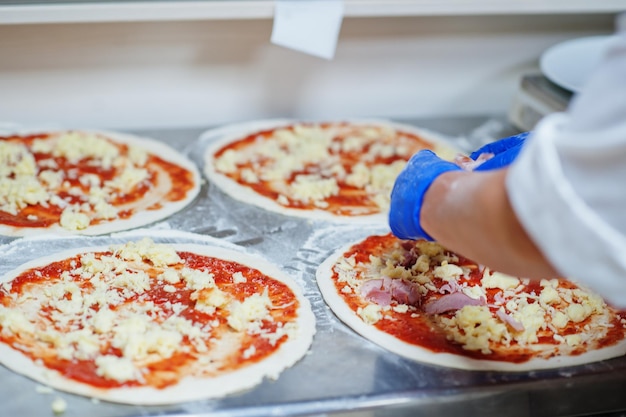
(342, 171)
(83, 182)
(423, 302)
(152, 323)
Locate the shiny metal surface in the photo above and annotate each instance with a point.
(344, 374)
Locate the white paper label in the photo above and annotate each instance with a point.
(309, 26)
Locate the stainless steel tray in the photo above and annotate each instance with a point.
(344, 374)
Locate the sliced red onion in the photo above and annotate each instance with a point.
(450, 302)
(515, 324)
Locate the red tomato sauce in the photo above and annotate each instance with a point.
(349, 201)
(424, 331)
(170, 370)
(45, 215)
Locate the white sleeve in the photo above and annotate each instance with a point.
(568, 185)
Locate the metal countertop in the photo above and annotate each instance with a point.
(343, 374)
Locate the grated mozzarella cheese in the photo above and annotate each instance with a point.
(523, 317)
(492, 279)
(370, 314)
(59, 405)
(101, 304)
(25, 181)
(322, 158)
(116, 368)
(247, 314)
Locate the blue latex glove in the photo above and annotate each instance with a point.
(505, 151)
(408, 193)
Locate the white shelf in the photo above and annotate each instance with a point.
(134, 11)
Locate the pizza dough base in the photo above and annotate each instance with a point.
(417, 353)
(139, 218)
(190, 388)
(226, 135)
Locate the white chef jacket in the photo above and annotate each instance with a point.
(568, 185)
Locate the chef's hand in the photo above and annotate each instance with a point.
(408, 193)
(504, 152)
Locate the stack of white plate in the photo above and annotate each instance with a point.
(569, 64)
